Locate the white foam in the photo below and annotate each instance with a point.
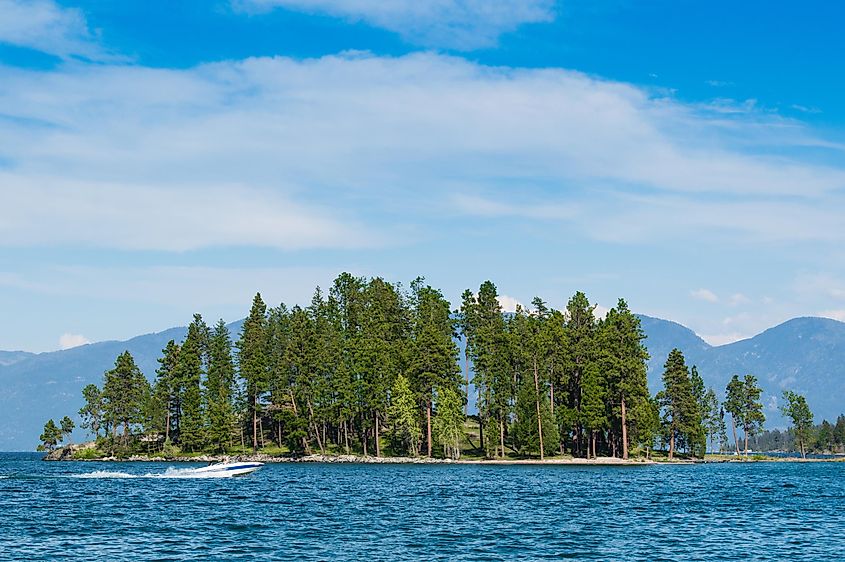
(169, 473)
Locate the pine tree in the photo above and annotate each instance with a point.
(678, 403)
(798, 411)
(623, 358)
(752, 409)
(67, 426)
(581, 335)
(189, 374)
(51, 437)
(220, 389)
(167, 393)
(734, 405)
(92, 412)
(434, 363)
(124, 392)
(253, 364)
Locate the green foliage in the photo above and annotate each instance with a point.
(448, 425)
(220, 390)
(51, 437)
(124, 391)
(253, 363)
(92, 412)
(406, 433)
(742, 401)
(681, 417)
(798, 411)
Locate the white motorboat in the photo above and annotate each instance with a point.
(229, 468)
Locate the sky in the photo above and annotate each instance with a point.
(162, 158)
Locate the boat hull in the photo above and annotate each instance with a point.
(230, 468)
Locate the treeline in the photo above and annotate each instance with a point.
(825, 437)
(372, 365)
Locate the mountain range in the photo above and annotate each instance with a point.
(806, 355)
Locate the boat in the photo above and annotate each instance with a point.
(238, 468)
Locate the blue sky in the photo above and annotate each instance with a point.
(160, 158)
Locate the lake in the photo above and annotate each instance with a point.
(153, 511)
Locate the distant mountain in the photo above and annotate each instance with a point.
(805, 354)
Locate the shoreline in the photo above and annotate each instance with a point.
(67, 454)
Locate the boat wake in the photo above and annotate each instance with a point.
(187, 473)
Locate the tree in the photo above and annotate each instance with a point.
(581, 335)
(448, 425)
(434, 364)
(403, 412)
(798, 411)
(752, 409)
(219, 388)
(734, 405)
(51, 437)
(67, 426)
(167, 407)
(92, 412)
(189, 374)
(712, 415)
(252, 361)
(623, 359)
(678, 403)
(124, 392)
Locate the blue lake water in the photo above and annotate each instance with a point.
(153, 511)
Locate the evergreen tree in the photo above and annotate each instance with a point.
(623, 359)
(124, 392)
(824, 437)
(581, 335)
(51, 437)
(434, 364)
(678, 403)
(798, 411)
(67, 426)
(752, 408)
(253, 364)
(220, 389)
(167, 393)
(712, 416)
(734, 405)
(189, 374)
(92, 412)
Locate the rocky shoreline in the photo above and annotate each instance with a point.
(67, 454)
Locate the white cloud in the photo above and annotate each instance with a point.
(739, 299)
(144, 217)
(459, 24)
(600, 311)
(509, 304)
(704, 295)
(45, 26)
(68, 340)
(274, 142)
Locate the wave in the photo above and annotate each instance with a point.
(169, 473)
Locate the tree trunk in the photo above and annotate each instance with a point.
(481, 435)
(746, 441)
(315, 428)
(346, 436)
(733, 428)
(594, 438)
(624, 431)
(167, 423)
(552, 398)
(539, 416)
(428, 426)
(378, 445)
(255, 424)
(671, 444)
(466, 371)
(502, 434)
